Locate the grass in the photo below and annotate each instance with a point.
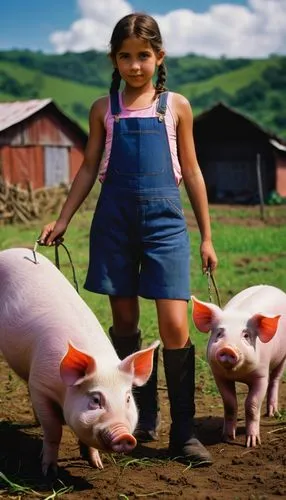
(21, 490)
(68, 93)
(250, 252)
(230, 82)
(64, 92)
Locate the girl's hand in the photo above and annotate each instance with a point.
(53, 232)
(208, 256)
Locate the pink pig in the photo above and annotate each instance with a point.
(247, 344)
(52, 340)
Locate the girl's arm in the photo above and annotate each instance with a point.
(193, 179)
(85, 177)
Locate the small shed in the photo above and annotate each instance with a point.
(234, 153)
(39, 143)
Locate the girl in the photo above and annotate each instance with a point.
(139, 243)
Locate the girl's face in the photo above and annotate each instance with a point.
(136, 61)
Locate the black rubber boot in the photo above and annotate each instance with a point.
(146, 397)
(179, 365)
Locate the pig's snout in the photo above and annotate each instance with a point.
(124, 443)
(227, 357)
(118, 439)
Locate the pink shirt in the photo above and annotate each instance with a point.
(149, 111)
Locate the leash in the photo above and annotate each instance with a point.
(212, 281)
(58, 243)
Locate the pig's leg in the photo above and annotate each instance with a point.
(228, 394)
(94, 458)
(273, 388)
(253, 402)
(91, 455)
(50, 418)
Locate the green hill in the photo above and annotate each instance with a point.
(256, 88)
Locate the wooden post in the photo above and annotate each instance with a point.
(260, 188)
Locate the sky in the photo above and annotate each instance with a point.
(231, 28)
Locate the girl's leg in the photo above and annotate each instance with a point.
(173, 323)
(179, 365)
(125, 315)
(126, 339)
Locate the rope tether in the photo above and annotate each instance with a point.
(211, 281)
(57, 258)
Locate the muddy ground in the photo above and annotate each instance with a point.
(237, 472)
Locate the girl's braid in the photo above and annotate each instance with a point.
(161, 79)
(116, 79)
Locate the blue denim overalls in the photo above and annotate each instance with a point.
(139, 243)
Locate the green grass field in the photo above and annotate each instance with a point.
(250, 252)
(75, 97)
(64, 92)
(229, 82)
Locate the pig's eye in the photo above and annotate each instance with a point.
(246, 336)
(95, 401)
(219, 333)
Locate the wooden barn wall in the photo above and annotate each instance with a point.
(42, 149)
(44, 128)
(227, 148)
(281, 175)
(23, 164)
(57, 166)
(231, 172)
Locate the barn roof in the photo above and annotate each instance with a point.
(14, 112)
(17, 111)
(220, 109)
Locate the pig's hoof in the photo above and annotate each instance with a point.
(94, 458)
(226, 438)
(272, 411)
(252, 441)
(91, 455)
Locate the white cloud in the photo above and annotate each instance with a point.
(225, 29)
(94, 29)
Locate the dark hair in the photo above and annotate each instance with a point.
(141, 26)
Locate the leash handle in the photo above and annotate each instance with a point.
(212, 281)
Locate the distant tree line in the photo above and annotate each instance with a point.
(263, 99)
(12, 86)
(94, 68)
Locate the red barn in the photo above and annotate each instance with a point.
(39, 143)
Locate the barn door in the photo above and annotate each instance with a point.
(56, 166)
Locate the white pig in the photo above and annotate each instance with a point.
(52, 340)
(247, 344)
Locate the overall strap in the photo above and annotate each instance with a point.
(114, 103)
(162, 104)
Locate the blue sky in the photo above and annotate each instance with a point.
(212, 27)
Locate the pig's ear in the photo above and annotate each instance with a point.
(204, 314)
(139, 364)
(266, 326)
(76, 366)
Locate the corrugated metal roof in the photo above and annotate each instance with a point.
(17, 111)
(278, 145)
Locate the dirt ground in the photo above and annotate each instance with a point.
(237, 473)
